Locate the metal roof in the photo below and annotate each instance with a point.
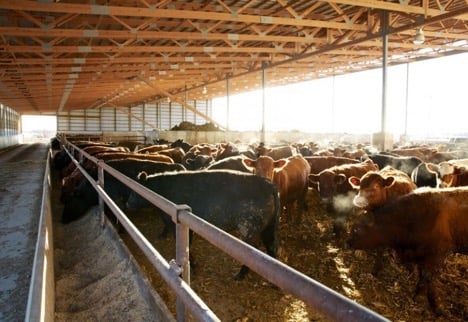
(68, 54)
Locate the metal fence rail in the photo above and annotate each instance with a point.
(41, 297)
(177, 274)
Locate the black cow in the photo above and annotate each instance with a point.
(85, 196)
(230, 163)
(61, 160)
(180, 143)
(426, 175)
(230, 200)
(402, 163)
(192, 161)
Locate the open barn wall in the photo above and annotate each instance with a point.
(143, 117)
(242, 137)
(10, 126)
(271, 137)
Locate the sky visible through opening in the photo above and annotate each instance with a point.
(437, 103)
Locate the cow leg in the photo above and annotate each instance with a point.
(270, 239)
(168, 224)
(243, 271)
(432, 293)
(251, 237)
(426, 288)
(304, 198)
(378, 263)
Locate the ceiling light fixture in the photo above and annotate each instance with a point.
(419, 37)
(204, 90)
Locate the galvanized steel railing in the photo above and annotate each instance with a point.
(177, 272)
(41, 297)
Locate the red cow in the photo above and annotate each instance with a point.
(358, 154)
(276, 153)
(176, 154)
(153, 148)
(70, 182)
(438, 157)
(226, 150)
(203, 149)
(289, 175)
(93, 150)
(453, 173)
(422, 152)
(333, 181)
(105, 156)
(319, 163)
(376, 188)
(423, 227)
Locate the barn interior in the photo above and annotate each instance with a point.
(65, 56)
(133, 69)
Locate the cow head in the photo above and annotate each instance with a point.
(329, 184)
(449, 172)
(371, 189)
(264, 166)
(364, 234)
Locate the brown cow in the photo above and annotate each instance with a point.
(203, 149)
(333, 182)
(422, 152)
(289, 175)
(358, 154)
(319, 163)
(438, 157)
(453, 173)
(93, 150)
(70, 182)
(153, 148)
(176, 154)
(376, 188)
(226, 150)
(423, 227)
(276, 153)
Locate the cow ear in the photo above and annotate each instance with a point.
(355, 182)
(431, 167)
(389, 181)
(314, 178)
(249, 162)
(142, 176)
(280, 163)
(340, 178)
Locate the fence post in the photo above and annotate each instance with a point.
(182, 255)
(100, 200)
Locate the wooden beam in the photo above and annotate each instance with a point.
(87, 9)
(150, 35)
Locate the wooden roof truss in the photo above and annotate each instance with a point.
(70, 54)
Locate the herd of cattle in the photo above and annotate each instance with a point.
(413, 200)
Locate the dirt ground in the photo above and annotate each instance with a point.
(312, 248)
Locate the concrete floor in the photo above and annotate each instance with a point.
(22, 169)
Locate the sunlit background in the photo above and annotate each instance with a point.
(435, 103)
